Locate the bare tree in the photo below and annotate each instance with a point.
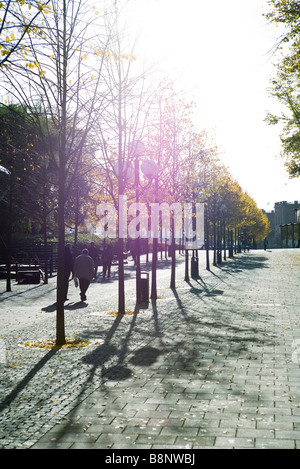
(55, 79)
(124, 119)
(19, 18)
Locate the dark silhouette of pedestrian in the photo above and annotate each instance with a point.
(84, 269)
(68, 268)
(107, 257)
(94, 254)
(265, 243)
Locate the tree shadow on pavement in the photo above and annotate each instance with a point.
(145, 356)
(245, 262)
(203, 289)
(102, 355)
(26, 380)
(39, 289)
(192, 343)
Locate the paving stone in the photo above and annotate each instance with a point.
(214, 364)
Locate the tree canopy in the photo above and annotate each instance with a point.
(286, 85)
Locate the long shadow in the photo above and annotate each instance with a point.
(205, 291)
(70, 306)
(157, 330)
(147, 354)
(193, 351)
(97, 358)
(74, 306)
(180, 304)
(130, 270)
(101, 354)
(50, 308)
(30, 289)
(246, 262)
(144, 356)
(32, 373)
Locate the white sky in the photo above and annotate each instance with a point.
(220, 52)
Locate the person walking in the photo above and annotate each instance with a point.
(94, 254)
(107, 257)
(84, 269)
(265, 243)
(68, 268)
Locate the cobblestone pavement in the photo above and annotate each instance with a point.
(212, 364)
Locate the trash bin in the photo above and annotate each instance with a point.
(144, 287)
(194, 267)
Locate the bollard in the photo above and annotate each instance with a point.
(145, 287)
(194, 267)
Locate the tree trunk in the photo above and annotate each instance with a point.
(186, 277)
(173, 254)
(9, 235)
(154, 267)
(206, 235)
(45, 236)
(60, 320)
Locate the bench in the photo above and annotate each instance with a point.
(28, 277)
(27, 274)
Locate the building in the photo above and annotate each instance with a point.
(271, 236)
(284, 225)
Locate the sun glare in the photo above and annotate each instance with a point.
(219, 54)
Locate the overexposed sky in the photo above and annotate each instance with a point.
(220, 53)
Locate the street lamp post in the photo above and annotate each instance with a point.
(222, 232)
(138, 151)
(123, 173)
(150, 170)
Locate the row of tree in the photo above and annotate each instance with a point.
(75, 97)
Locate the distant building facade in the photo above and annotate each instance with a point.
(285, 225)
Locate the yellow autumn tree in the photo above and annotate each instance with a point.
(256, 222)
(21, 26)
